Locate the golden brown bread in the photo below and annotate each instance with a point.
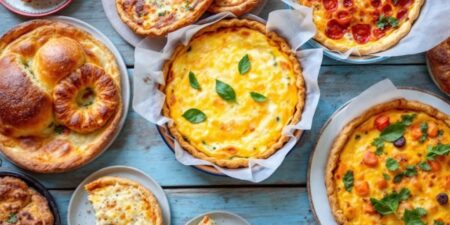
(439, 62)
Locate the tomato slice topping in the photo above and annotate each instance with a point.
(334, 30)
(378, 33)
(401, 13)
(375, 16)
(361, 33)
(344, 18)
(375, 3)
(403, 3)
(348, 3)
(382, 122)
(330, 4)
(387, 10)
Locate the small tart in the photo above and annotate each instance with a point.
(387, 157)
(231, 91)
(120, 201)
(367, 26)
(46, 124)
(157, 18)
(237, 7)
(439, 62)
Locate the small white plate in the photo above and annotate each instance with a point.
(80, 211)
(319, 158)
(221, 218)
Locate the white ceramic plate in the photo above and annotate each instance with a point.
(109, 6)
(221, 218)
(80, 211)
(318, 161)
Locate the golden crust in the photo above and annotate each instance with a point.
(62, 151)
(146, 194)
(169, 24)
(238, 8)
(237, 162)
(348, 130)
(439, 62)
(383, 43)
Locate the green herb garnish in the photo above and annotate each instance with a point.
(392, 164)
(193, 81)
(413, 217)
(244, 65)
(258, 97)
(379, 144)
(424, 166)
(389, 204)
(194, 116)
(424, 130)
(395, 131)
(12, 218)
(348, 180)
(225, 91)
(437, 150)
(384, 21)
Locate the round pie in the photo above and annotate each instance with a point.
(121, 201)
(60, 96)
(231, 91)
(439, 63)
(159, 17)
(367, 26)
(391, 166)
(237, 7)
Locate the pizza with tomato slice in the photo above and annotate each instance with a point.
(368, 26)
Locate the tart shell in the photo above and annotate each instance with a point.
(240, 8)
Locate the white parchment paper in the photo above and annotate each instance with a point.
(148, 100)
(431, 28)
(109, 6)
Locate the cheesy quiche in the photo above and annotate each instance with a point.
(60, 96)
(159, 17)
(391, 165)
(237, 7)
(367, 26)
(120, 201)
(231, 91)
(22, 205)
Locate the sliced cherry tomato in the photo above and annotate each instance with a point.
(361, 33)
(330, 4)
(403, 3)
(382, 122)
(362, 188)
(435, 165)
(401, 13)
(334, 30)
(375, 16)
(416, 132)
(370, 159)
(344, 18)
(348, 3)
(375, 3)
(387, 10)
(369, 209)
(382, 184)
(432, 130)
(378, 33)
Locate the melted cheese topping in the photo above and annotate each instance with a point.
(121, 205)
(424, 187)
(245, 128)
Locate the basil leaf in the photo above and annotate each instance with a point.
(386, 176)
(398, 178)
(438, 223)
(393, 132)
(348, 180)
(384, 21)
(424, 130)
(424, 166)
(437, 150)
(413, 217)
(408, 119)
(393, 21)
(379, 144)
(193, 81)
(404, 194)
(225, 91)
(410, 171)
(12, 218)
(194, 116)
(389, 204)
(392, 164)
(258, 97)
(244, 65)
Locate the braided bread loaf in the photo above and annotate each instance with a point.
(60, 96)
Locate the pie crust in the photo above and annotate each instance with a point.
(231, 160)
(167, 21)
(36, 56)
(439, 62)
(342, 139)
(237, 7)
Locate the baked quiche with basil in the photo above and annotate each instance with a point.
(391, 165)
(231, 91)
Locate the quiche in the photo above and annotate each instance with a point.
(439, 63)
(60, 96)
(159, 17)
(207, 221)
(391, 165)
(237, 7)
(121, 201)
(231, 91)
(367, 26)
(22, 205)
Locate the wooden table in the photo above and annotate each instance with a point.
(282, 199)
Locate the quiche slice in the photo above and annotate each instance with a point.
(237, 7)
(207, 221)
(391, 165)
(120, 201)
(231, 91)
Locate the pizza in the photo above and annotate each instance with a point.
(237, 7)
(391, 165)
(367, 26)
(231, 91)
(159, 17)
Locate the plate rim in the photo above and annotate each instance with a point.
(216, 212)
(80, 187)
(327, 123)
(35, 15)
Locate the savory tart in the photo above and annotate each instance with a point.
(368, 26)
(391, 166)
(60, 91)
(159, 17)
(207, 221)
(231, 91)
(120, 201)
(237, 7)
(439, 63)
(22, 205)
